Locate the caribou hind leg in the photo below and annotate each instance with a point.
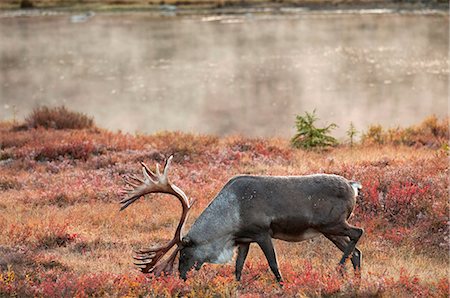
(265, 242)
(242, 255)
(344, 229)
(342, 243)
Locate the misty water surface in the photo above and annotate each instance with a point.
(248, 74)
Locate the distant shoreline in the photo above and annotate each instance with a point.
(221, 6)
(163, 12)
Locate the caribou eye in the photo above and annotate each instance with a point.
(186, 241)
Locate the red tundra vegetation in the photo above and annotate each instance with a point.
(61, 234)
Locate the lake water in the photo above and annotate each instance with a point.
(247, 74)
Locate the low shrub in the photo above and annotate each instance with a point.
(81, 150)
(58, 118)
(45, 145)
(432, 132)
(183, 146)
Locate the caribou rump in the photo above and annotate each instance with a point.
(251, 209)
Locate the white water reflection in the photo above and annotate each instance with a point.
(247, 74)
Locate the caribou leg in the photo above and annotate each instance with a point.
(342, 243)
(266, 245)
(345, 229)
(242, 255)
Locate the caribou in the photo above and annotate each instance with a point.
(250, 209)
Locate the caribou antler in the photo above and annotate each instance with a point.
(147, 259)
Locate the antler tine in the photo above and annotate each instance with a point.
(148, 174)
(167, 165)
(136, 178)
(158, 173)
(127, 202)
(167, 265)
(150, 250)
(130, 182)
(150, 264)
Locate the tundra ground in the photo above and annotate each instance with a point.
(61, 232)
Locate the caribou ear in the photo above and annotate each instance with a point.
(186, 241)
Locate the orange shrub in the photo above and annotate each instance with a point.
(432, 132)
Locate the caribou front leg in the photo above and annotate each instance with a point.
(265, 242)
(242, 255)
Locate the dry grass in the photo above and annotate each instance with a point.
(60, 228)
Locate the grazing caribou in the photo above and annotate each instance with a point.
(252, 209)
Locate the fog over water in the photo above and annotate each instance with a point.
(248, 74)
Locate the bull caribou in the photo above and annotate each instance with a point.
(251, 209)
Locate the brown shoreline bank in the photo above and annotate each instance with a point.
(220, 5)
